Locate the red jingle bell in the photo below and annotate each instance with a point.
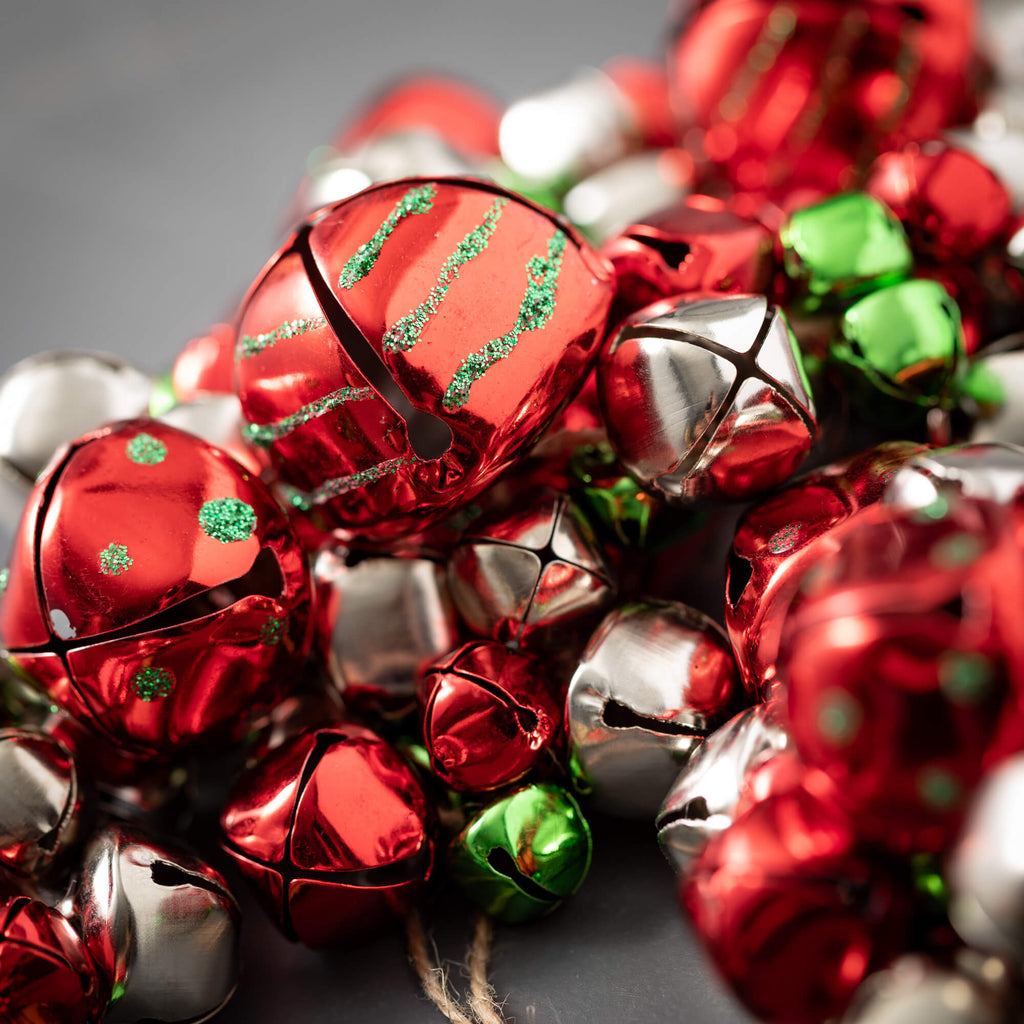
(777, 541)
(206, 365)
(805, 90)
(902, 662)
(792, 909)
(490, 715)
(333, 831)
(409, 343)
(46, 975)
(156, 591)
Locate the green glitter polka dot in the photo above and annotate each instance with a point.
(535, 311)
(956, 551)
(939, 789)
(403, 334)
(964, 676)
(146, 450)
(152, 683)
(115, 560)
(272, 631)
(227, 520)
(839, 717)
(782, 540)
(4, 575)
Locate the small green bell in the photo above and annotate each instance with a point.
(523, 854)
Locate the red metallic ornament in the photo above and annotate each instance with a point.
(409, 343)
(805, 90)
(792, 909)
(490, 715)
(156, 591)
(644, 89)
(902, 661)
(778, 540)
(46, 975)
(206, 365)
(333, 831)
(951, 204)
(698, 246)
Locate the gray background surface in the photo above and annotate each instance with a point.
(148, 151)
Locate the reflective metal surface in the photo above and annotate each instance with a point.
(655, 679)
(40, 803)
(1005, 422)
(218, 420)
(385, 618)
(706, 397)
(703, 799)
(162, 925)
(986, 472)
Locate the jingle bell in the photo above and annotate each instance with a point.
(167, 601)
(705, 397)
(490, 715)
(523, 854)
(654, 681)
(161, 925)
(334, 833)
(513, 577)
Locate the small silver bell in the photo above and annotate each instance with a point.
(986, 472)
(388, 617)
(706, 397)
(654, 680)
(702, 801)
(161, 925)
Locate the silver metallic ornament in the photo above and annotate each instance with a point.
(987, 472)
(915, 990)
(654, 680)
(706, 397)
(986, 868)
(1004, 423)
(702, 801)
(50, 399)
(387, 617)
(529, 570)
(40, 802)
(161, 925)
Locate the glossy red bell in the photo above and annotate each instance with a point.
(490, 716)
(902, 662)
(206, 365)
(409, 343)
(334, 833)
(156, 591)
(46, 975)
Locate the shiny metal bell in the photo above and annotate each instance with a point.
(986, 472)
(986, 869)
(703, 799)
(915, 990)
(654, 680)
(50, 399)
(529, 571)
(217, 419)
(40, 801)
(706, 397)
(386, 617)
(1005, 422)
(161, 925)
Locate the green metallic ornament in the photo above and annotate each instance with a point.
(843, 247)
(523, 854)
(906, 340)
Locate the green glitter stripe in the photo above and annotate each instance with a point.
(362, 261)
(268, 433)
(305, 500)
(404, 333)
(252, 345)
(115, 560)
(534, 312)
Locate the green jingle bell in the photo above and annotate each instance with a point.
(905, 340)
(523, 854)
(842, 247)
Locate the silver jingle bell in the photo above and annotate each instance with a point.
(916, 991)
(161, 925)
(387, 618)
(702, 801)
(40, 802)
(654, 680)
(529, 570)
(986, 869)
(1006, 422)
(705, 397)
(50, 399)
(986, 472)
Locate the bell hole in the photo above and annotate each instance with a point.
(672, 253)
(617, 715)
(171, 876)
(955, 607)
(913, 11)
(740, 571)
(527, 720)
(695, 809)
(503, 862)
